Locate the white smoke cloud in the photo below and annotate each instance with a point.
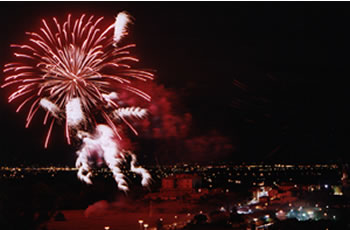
(102, 144)
(109, 99)
(74, 112)
(120, 26)
(133, 112)
(49, 106)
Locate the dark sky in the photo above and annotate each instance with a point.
(285, 63)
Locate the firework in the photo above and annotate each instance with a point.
(73, 71)
(102, 145)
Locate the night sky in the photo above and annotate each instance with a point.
(272, 78)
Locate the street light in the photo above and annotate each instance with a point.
(145, 226)
(140, 222)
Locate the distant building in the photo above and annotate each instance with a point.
(179, 186)
(273, 195)
(181, 182)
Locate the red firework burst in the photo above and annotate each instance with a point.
(76, 59)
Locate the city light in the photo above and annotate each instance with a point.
(140, 222)
(266, 194)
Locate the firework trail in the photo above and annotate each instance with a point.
(73, 71)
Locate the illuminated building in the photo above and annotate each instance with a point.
(179, 186)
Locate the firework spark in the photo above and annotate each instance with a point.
(74, 71)
(120, 26)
